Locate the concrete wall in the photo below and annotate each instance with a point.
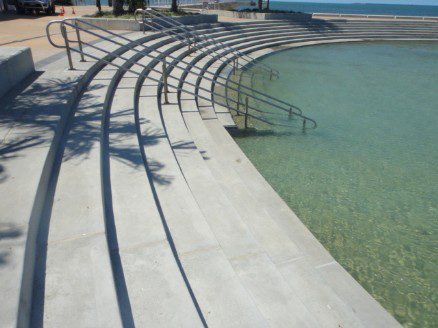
(132, 25)
(416, 18)
(16, 63)
(260, 16)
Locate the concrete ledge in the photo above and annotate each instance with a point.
(16, 64)
(361, 16)
(132, 25)
(260, 16)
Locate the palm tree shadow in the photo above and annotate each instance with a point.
(8, 231)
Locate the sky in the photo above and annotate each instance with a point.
(399, 2)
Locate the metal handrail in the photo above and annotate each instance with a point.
(219, 56)
(172, 33)
(192, 31)
(249, 91)
(162, 58)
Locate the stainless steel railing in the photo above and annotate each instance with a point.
(192, 34)
(221, 57)
(77, 26)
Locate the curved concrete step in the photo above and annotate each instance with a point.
(119, 240)
(157, 292)
(198, 249)
(357, 297)
(366, 303)
(78, 223)
(39, 115)
(188, 165)
(253, 266)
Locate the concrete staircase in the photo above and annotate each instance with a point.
(129, 211)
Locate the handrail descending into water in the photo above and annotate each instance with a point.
(218, 56)
(77, 26)
(191, 32)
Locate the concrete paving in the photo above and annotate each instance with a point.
(139, 213)
(29, 30)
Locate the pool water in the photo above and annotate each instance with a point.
(365, 182)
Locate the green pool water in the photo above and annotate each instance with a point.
(365, 182)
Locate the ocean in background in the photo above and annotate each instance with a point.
(355, 8)
(315, 7)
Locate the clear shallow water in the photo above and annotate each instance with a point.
(355, 8)
(366, 181)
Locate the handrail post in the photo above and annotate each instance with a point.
(246, 112)
(290, 113)
(67, 46)
(188, 41)
(80, 42)
(238, 103)
(166, 89)
(144, 24)
(78, 24)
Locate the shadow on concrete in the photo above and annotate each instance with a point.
(319, 25)
(3, 175)
(252, 132)
(11, 15)
(9, 150)
(7, 231)
(31, 114)
(89, 129)
(182, 146)
(130, 155)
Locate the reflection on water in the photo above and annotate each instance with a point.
(366, 181)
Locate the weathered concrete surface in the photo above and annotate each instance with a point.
(260, 16)
(375, 17)
(132, 25)
(163, 212)
(16, 64)
(27, 124)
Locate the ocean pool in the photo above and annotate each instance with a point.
(365, 182)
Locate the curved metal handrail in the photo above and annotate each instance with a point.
(172, 32)
(161, 58)
(249, 91)
(59, 21)
(173, 22)
(238, 85)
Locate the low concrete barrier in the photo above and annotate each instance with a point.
(396, 17)
(261, 16)
(16, 64)
(132, 25)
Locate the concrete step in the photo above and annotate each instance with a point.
(28, 120)
(253, 266)
(76, 237)
(319, 296)
(309, 270)
(157, 292)
(59, 286)
(202, 259)
(64, 236)
(347, 314)
(32, 116)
